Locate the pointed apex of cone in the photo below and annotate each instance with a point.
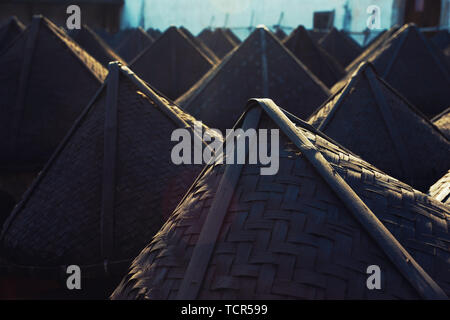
(340, 46)
(411, 65)
(260, 67)
(15, 21)
(200, 45)
(172, 64)
(302, 33)
(114, 66)
(262, 26)
(141, 33)
(321, 63)
(219, 42)
(260, 30)
(10, 31)
(388, 131)
(171, 29)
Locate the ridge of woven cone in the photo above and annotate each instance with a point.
(134, 44)
(172, 64)
(45, 83)
(280, 34)
(107, 189)
(232, 36)
(442, 122)
(318, 61)
(441, 189)
(219, 42)
(375, 44)
(94, 45)
(200, 45)
(337, 44)
(308, 232)
(373, 120)
(9, 31)
(410, 64)
(315, 34)
(260, 67)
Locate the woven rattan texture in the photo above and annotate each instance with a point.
(134, 44)
(219, 42)
(441, 189)
(60, 221)
(442, 121)
(9, 31)
(217, 99)
(315, 58)
(172, 64)
(95, 46)
(200, 45)
(340, 47)
(354, 118)
(410, 64)
(289, 237)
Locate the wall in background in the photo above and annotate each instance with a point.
(198, 14)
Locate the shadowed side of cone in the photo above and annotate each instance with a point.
(316, 35)
(219, 42)
(91, 204)
(232, 36)
(39, 99)
(261, 66)
(134, 44)
(280, 34)
(340, 47)
(442, 39)
(95, 45)
(373, 120)
(204, 35)
(410, 64)
(295, 235)
(371, 48)
(154, 33)
(201, 45)
(10, 31)
(172, 64)
(318, 61)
